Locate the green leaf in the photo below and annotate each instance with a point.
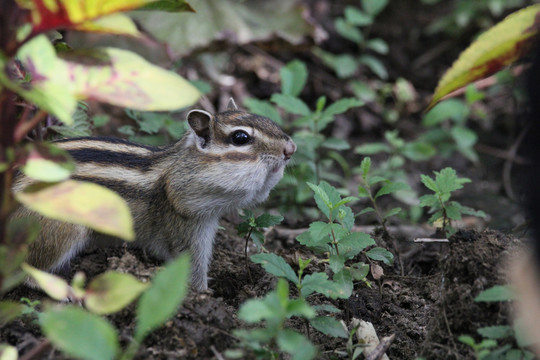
(348, 31)
(275, 265)
(53, 285)
(168, 5)
(375, 65)
(448, 181)
(496, 332)
(296, 344)
(255, 310)
(359, 271)
(495, 294)
(355, 16)
(82, 203)
(336, 262)
(429, 183)
(392, 212)
(160, 301)
(464, 138)
(467, 340)
(100, 120)
(381, 254)
(316, 282)
(322, 199)
(365, 166)
(343, 65)
(494, 49)
(365, 211)
(372, 148)
(378, 45)
(267, 220)
(451, 109)
(418, 151)
(329, 326)
(111, 292)
(291, 104)
(344, 284)
(335, 144)
(453, 212)
(327, 308)
(299, 307)
(263, 108)
(293, 78)
(429, 201)
(391, 188)
(354, 243)
(79, 333)
(10, 310)
(374, 7)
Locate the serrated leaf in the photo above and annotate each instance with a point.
(82, 203)
(316, 282)
(429, 183)
(495, 294)
(359, 271)
(267, 220)
(453, 211)
(293, 78)
(299, 307)
(354, 243)
(381, 254)
(497, 47)
(291, 104)
(275, 265)
(56, 287)
(80, 334)
(160, 301)
(365, 166)
(329, 326)
(336, 262)
(112, 291)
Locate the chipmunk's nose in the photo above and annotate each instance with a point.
(289, 149)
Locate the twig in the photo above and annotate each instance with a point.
(246, 255)
(38, 349)
(379, 351)
(430, 240)
(25, 127)
(217, 354)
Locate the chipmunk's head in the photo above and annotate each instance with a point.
(244, 154)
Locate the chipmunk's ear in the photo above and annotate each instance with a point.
(199, 121)
(232, 105)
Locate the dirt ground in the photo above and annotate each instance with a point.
(425, 299)
(427, 309)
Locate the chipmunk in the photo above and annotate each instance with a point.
(176, 193)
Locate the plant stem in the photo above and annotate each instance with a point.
(246, 256)
(25, 126)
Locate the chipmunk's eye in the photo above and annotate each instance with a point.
(240, 137)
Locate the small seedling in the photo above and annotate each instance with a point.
(443, 210)
(365, 190)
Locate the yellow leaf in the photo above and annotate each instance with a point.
(53, 285)
(130, 81)
(496, 48)
(119, 24)
(111, 292)
(82, 203)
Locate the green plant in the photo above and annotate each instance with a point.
(442, 209)
(274, 309)
(105, 294)
(388, 187)
(489, 347)
(316, 152)
(354, 26)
